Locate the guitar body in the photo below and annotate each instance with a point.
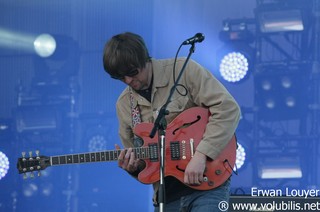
(185, 140)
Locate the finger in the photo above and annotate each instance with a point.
(121, 159)
(191, 179)
(196, 179)
(200, 178)
(132, 162)
(128, 153)
(125, 156)
(187, 178)
(117, 146)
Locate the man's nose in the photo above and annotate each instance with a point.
(127, 79)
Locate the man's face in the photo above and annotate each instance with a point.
(139, 79)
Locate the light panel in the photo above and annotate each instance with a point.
(280, 21)
(279, 168)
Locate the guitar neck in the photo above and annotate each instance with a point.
(104, 156)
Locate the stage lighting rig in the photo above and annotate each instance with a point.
(236, 57)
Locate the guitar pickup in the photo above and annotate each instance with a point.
(153, 152)
(175, 150)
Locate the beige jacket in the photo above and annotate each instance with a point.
(203, 89)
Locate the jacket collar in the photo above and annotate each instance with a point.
(160, 79)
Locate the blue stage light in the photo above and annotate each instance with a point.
(240, 156)
(4, 165)
(234, 66)
(45, 45)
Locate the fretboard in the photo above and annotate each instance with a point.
(150, 152)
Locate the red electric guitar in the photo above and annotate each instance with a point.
(183, 135)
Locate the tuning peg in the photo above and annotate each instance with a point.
(38, 154)
(23, 156)
(32, 175)
(39, 174)
(25, 176)
(30, 154)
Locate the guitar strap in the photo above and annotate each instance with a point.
(137, 142)
(136, 119)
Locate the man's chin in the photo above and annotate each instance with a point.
(135, 87)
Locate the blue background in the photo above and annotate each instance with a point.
(164, 25)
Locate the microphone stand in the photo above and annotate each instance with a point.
(160, 125)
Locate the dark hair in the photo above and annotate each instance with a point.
(123, 52)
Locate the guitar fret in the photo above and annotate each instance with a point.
(69, 159)
(87, 157)
(98, 156)
(108, 156)
(93, 157)
(75, 158)
(143, 153)
(62, 160)
(81, 158)
(137, 153)
(115, 155)
(103, 156)
(55, 160)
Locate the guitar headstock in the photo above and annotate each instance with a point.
(32, 164)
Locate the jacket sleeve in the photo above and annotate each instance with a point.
(207, 91)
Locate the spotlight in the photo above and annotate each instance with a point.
(4, 165)
(240, 156)
(45, 45)
(234, 66)
(235, 60)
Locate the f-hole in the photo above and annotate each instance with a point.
(185, 125)
(177, 167)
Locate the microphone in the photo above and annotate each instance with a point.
(198, 38)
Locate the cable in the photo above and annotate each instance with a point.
(174, 74)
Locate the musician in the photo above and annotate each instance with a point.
(126, 58)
